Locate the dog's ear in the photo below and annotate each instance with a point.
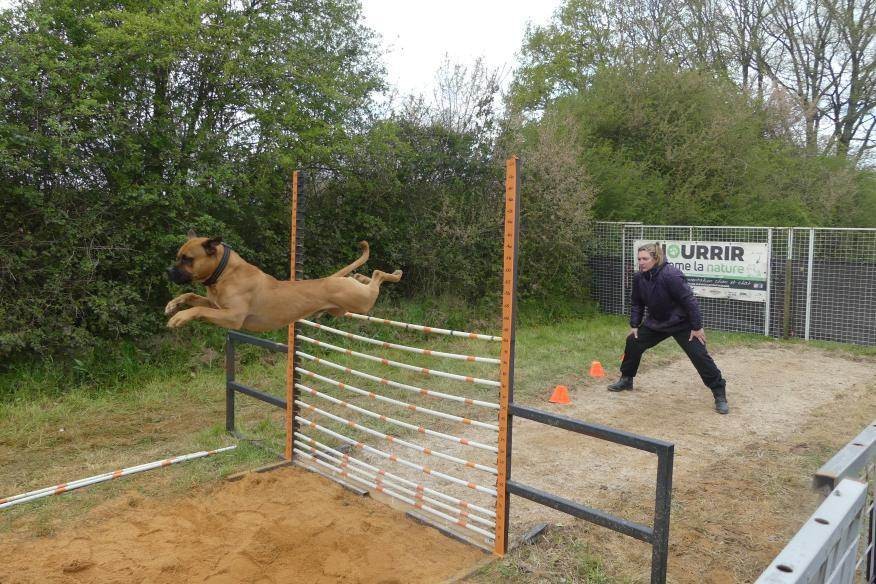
(210, 245)
(191, 234)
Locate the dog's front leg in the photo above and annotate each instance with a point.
(187, 298)
(220, 317)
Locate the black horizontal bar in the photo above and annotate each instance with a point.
(590, 429)
(258, 341)
(259, 395)
(640, 532)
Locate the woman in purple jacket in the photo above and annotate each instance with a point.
(672, 312)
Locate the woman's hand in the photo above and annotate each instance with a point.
(634, 332)
(699, 335)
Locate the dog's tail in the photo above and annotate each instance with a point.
(366, 251)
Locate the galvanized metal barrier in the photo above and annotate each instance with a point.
(658, 535)
(838, 543)
(823, 551)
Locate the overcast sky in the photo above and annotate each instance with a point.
(416, 35)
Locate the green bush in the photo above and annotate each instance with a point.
(124, 124)
(667, 146)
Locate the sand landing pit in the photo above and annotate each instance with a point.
(287, 525)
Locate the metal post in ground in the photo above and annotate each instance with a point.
(229, 381)
(789, 283)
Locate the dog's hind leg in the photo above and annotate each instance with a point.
(363, 302)
(366, 252)
(378, 277)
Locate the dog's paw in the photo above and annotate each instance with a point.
(398, 274)
(172, 307)
(177, 320)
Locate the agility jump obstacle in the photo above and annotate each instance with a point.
(107, 476)
(447, 460)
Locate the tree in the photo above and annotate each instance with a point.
(465, 97)
(559, 58)
(679, 147)
(123, 124)
(819, 53)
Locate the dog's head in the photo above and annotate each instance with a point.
(196, 259)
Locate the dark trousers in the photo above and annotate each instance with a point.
(695, 350)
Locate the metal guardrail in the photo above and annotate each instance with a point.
(829, 547)
(850, 462)
(658, 535)
(823, 551)
(857, 460)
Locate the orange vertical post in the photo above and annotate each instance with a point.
(506, 359)
(290, 357)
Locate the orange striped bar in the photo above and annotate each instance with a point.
(381, 472)
(389, 420)
(423, 328)
(397, 440)
(383, 480)
(389, 400)
(387, 345)
(107, 476)
(395, 495)
(412, 388)
(396, 458)
(429, 372)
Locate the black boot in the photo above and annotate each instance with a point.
(621, 384)
(720, 394)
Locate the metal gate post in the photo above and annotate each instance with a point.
(809, 282)
(769, 290)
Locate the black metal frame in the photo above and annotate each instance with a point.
(658, 535)
(231, 385)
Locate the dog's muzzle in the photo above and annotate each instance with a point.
(178, 276)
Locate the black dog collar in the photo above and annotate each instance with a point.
(226, 253)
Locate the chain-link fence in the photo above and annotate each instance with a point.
(820, 282)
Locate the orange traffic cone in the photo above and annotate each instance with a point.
(596, 369)
(560, 395)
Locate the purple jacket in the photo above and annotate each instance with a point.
(669, 299)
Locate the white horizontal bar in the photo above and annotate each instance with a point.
(388, 345)
(412, 388)
(394, 458)
(423, 328)
(423, 370)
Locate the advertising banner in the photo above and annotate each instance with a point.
(720, 269)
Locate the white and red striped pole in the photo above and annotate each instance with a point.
(108, 476)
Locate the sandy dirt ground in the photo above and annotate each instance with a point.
(741, 489)
(741, 481)
(287, 525)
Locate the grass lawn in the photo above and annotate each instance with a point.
(54, 430)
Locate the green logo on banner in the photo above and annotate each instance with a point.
(672, 250)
